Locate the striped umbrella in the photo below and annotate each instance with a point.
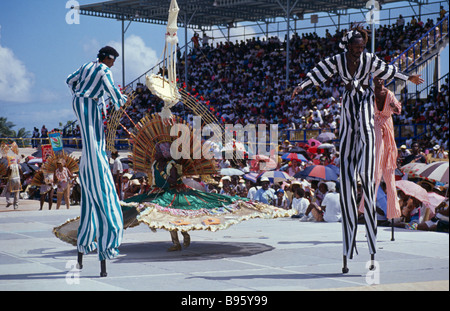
(275, 176)
(317, 172)
(253, 177)
(436, 171)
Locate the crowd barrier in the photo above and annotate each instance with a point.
(402, 133)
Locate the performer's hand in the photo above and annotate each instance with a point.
(297, 90)
(416, 79)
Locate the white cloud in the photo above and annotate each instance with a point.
(138, 58)
(15, 80)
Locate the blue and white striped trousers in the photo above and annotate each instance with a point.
(101, 221)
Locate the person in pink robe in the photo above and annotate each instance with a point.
(386, 152)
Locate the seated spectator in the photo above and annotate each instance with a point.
(330, 208)
(299, 203)
(281, 200)
(265, 194)
(440, 221)
(414, 214)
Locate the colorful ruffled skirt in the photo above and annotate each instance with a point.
(183, 209)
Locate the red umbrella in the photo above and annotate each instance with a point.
(312, 150)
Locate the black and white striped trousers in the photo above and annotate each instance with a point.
(357, 157)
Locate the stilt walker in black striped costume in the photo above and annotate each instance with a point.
(357, 136)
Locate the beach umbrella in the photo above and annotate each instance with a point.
(313, 142)
(326, 146)
(253, 177)
(275, 176)
(334, 168)
(297, 149)
(326, 136)
(412, 168)
(35, 160)
(269, 163)
(436, 171)
(412, 189)
(229, 171)
(138, 175)
(312, 150)
(193, 184)
(294, 156)
(319, 172)
(434, 200)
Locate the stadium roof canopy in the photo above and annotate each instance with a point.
(207, 13)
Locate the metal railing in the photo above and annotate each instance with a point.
(402, 133)
(414, 55)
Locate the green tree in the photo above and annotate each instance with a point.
(6, 129)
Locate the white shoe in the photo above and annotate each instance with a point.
(311, 218)
(304, 218)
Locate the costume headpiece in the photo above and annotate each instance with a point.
(344, 42)
(166, 89)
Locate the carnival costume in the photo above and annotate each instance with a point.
(357, 136)
(101, 224)
(178, 207)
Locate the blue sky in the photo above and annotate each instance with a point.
(39, 49)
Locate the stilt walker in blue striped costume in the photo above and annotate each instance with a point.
(101, 221)
(357, 134)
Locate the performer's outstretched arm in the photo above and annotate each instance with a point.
(319, 74)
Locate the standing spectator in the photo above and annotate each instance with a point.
(44, 135)
(416, 155)
(195, 40)
(35, 136)
(386, 153)
(400, 22)
(47, 189)
(117, 171)
(61, 179)
(13, 187)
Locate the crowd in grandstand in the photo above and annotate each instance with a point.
(244, 82)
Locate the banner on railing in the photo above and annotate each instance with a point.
(56, 140)
(47, 152)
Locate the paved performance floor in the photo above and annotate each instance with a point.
(256, 255)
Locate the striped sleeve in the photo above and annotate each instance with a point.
(72, 80)
(384, 71)
(116, 97)
(321, 73)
